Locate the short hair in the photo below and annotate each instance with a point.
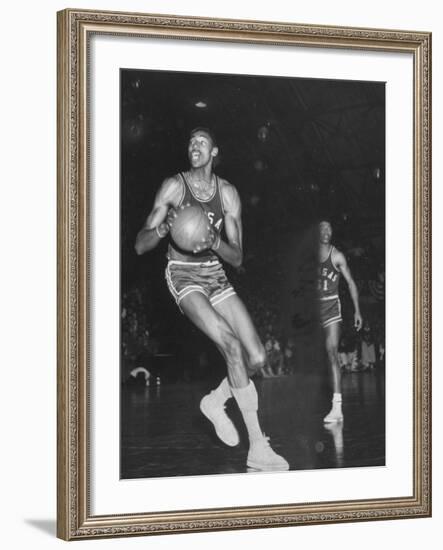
(206, 131)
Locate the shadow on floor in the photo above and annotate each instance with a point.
(48, 526)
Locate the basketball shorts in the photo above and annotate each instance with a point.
(209, 278)
(330, 311)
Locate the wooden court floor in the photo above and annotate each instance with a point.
(163, 433)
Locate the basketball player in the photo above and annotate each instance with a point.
(332, 265)
(203, 293)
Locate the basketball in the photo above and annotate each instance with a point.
(190, 227)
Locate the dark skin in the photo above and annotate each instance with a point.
(201, 154)
(228, 324)
(332, 332)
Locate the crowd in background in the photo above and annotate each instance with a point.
(144, 337)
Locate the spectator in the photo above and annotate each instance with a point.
(288, 357)
(367, 348)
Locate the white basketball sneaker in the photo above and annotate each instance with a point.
(262, 457)
(334, 415)
(215, 412)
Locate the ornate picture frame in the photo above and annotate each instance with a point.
(76, 518)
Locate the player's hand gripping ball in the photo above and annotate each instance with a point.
(212, 240)
(164, 228)
(190, 228)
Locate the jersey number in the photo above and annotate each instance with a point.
(323, 285)
(211, 219)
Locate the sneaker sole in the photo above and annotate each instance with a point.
(267, 467)
(332, 420)
(208, 416)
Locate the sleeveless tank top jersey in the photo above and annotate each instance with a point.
(213, 206)
(329, 278)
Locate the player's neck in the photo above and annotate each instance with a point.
(324, 250)
(201, 178)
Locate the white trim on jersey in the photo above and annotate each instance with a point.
(195, 196)
(182, 179)
(222, 204)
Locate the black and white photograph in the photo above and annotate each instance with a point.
(220, 235)
(252, 274)
(243, 274)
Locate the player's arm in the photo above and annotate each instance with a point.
(341, 264)
(231, 251)
(158, 223)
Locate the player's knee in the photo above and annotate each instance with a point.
(232, 347)
(332, 350)
(257, 360)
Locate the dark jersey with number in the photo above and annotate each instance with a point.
(213, 206)
(328, 279)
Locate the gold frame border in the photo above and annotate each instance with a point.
(75, 27)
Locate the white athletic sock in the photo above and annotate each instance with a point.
(336, 398)
(223, 392)
(247, 400)
(336, 402)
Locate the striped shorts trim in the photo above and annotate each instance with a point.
(208, 278)
(330, 311)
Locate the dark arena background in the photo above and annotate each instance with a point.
(298, 151)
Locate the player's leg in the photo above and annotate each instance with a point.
(198, 309)
(187, 284)
(235, 313)
(332, 338)
(260, 455)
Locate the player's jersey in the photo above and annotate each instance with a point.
(328, 278)
(213, 206)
